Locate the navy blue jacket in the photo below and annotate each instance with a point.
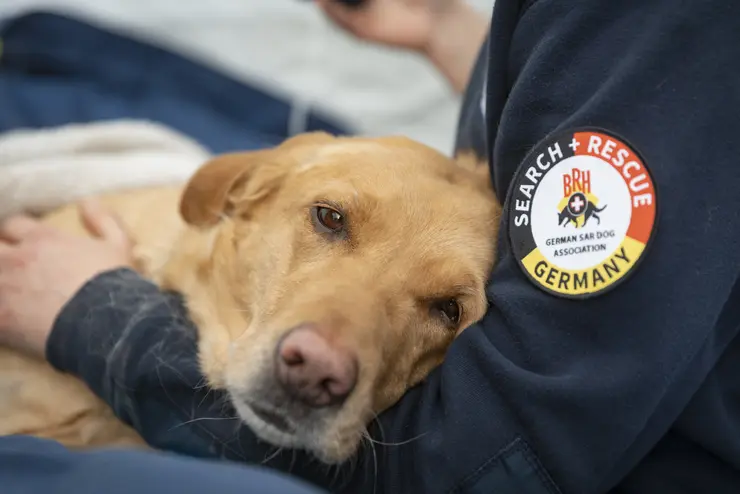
(632, 391)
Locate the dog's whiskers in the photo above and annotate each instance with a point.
(401, 443)
(205, 396)
(203, 383)
(369, 441)
(200, 419)
(380, 443)
(272, 456)
(382, 434)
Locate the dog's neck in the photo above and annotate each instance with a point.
(195, 267)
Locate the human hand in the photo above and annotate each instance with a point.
(447, 32)
(42, 268)
(399, 23)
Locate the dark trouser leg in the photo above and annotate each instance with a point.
(30, 465)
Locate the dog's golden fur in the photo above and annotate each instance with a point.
(248, 259)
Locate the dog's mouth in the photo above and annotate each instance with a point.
(287, 424)
(273, 418)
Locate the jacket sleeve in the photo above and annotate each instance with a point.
(135, 348)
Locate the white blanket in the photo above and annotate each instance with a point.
(43, 169)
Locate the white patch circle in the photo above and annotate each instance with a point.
(565, 245)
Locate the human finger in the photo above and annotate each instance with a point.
(5, 250)
(20, 227)
(103, 223)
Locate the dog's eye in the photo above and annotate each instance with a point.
(328, 219)
(449, 311)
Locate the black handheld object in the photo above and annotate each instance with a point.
(351, 3)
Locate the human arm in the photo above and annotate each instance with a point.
(449, 33)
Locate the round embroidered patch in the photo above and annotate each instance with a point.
(582, 213)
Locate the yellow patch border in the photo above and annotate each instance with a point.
(585, 281)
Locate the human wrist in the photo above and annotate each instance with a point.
(68, 321)
(455, 41)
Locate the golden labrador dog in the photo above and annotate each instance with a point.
(326, 277)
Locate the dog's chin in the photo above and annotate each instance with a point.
(270, 426)
(277, 429)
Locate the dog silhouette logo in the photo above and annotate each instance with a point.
(578, 204)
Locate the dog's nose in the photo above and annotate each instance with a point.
(313, 370)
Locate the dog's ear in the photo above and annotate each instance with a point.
(241, 179)
(209, 195)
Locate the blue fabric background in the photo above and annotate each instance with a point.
(56, 70)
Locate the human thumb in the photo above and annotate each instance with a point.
(104, 224)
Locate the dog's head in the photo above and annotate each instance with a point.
(332, 275)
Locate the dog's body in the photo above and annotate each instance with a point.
(326, 277)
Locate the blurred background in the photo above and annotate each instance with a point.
(289, 47)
